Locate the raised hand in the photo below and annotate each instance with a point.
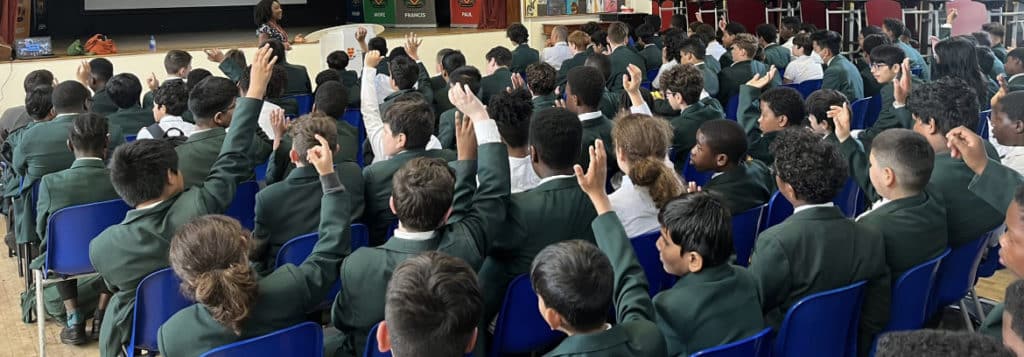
(841, 117)
(262, 68)
(84, 73)
(372, 59)
(692, 187)
(951, 15)
(214, 55)
(966, 145)
(593, 181)
(321, 156)
(631, 81)
(152, 82)
(278, 122)
(466, 102)
(465, 137)
(760, 81)
(361, 34)
(517, 82)
(901, 89)
(412, 45)
(1003, 90)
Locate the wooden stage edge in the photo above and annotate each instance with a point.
(196, 41)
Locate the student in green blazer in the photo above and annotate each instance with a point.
(437, 209)
(177, 65)
(609, 105)
(739, 72)
(39, 107)
(692, 52)
(86, 181)
(872, 86)
(583, 94)
(729, 31)
(621, 57)
(1014, 69)
(541, 81)
(499, 76)
(774, 54)
(818, 248)
(600, 276)
(231, 64)
(997, 33)
(681, 86)
(886, 65)
(578, 42)
(130, 116)
(839, 74)
(894, 29)
(522, 55)
(447, 62)
(463, 76)
(337, 61)
(298, 78)
(408, 74)
(648, 50)
(145, 175)
(739, 183)
(818, 105)
(207, 251)
(764, 115)
(330, 101)
(95, 74)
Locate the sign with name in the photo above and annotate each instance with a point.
(355, 11)
(466, 13)
(379, 12)
(415, 13)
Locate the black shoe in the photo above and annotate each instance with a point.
(74, 335)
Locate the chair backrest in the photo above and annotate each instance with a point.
(859, 109)
(850, 200)
(806, 87)
(157, 298)
(732, 107)
(130, 138)
(647, 254)
(520, 328)
(243, 206)
(70, 229)
(744, 232)
(956, 274)
(758, 345)
(305, 103)
(874, 109)
(297, 249)
(822, 324)
(910, 295)
(982, 129)
(690, 173)
(355, 118)
(305, 339)
(779, 209)
(260, 172)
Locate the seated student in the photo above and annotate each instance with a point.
(691, 52)
(124, 90)
(740, 184)
(744, 46)
(1013, 326)
(431, 279)
(463, 76)
(958, 59)
(407, 74)
(327, 75)
(94, 75)
(621, 57)
(213, 104)
(682, 86)
(646, 47)
(86, 181)
(988, 62)
(1007, 126)
(817, 248)
(578, 42)
(609, 101)
(722, 303)
(39, 106)
(194, 77)
(818, 105)
(372, 112)
(939, 343)
(437, 209)
(145, 175)
(286, 210)
(895, 29)
(446, 64)
(512, 112)
(764, 115)
(803, 66)
(540, 80)
(872, 86)
(297, 77)
(886, 66)
(338, 62)
(577, 282)
(672, 41)
(774, 54)
(788, 28)
(598, 43)
(329, 99)
(499, 77)
(17, 117)
(641, 145)
(233, 302)
(706, 34)
(1015, 69)
(177, 65)
(273, 102)
(170, 101)
(729, 32)
(839, 74)
(583, 94)
(232, 64)
(558, 50)
(522, 54)
(996, 32)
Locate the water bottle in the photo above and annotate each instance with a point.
(152, 43)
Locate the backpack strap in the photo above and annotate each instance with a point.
(177, 133)
(155, 131)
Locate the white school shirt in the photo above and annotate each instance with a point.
(656, 83)
(803, 68)
(166, 123)
(557, 54)
(715, 50)
(370, 108)
(523, 176)
(807, 207)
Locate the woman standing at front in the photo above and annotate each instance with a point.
(268, 15)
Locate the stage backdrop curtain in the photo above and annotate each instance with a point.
(8, 14)
(494, 15)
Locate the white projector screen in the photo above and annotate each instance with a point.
(101, 5)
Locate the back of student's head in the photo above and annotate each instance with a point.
(947, 103)
(808, 28)
(1014, 306)
(579, 39)
(873, 41)
(337, 60)
(173, 95)
(195, 76)
(811, 166)
(575, 279)
(646, 33)
(422, 191)
(275, 86)
(982, 38)
(986, 58)
(452, 61)
(466, 75)
(331, 98)
(767, 32)
(404, 72)
(672, 41)
(699, 222)
(747, 43)
(432, 306)
(599, 38)
(803, 41)
(602, 62)
(39, 102)
(70, 97)
(584, 87)
(686, 81)
(209, 254)
(39, 77)
(871, 30)
(957, 58)
(211, 96)
(512, 112)
(540, 77)
(590, 27)
(939, 343)
(378, 44)
(410, 114)
(679, 21)
(139, 169)
(889, 55)
(177, 60)
(556, 135)
(896, 27)
(517, 33)
(995, 29)
(124, 90)
(304, 130)
(625, 102)
(327, 75)
(826, 39)
(705, 32)
(821, 101)
(908, 154)
(1013, 105)
(725, 137)
(786, 101)
(501, 55)
(237, 56)
(618, 32)
(1016, 53)
(792, 23)
(277, 50)
(694, 47)
(643, 141)
(101, 69)
(88, 134)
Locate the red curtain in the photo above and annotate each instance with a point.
(494, 15)
(8, 13)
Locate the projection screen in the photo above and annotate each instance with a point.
(103, 5)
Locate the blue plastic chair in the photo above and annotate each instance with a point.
(690, 173)
(956, 277)
(822, 324)
(758, 345)
(646, 249)
(990, 264)
(520, 328)
(779, 209)
(859, 109)
(732, 107)
(305, 103)
(917, 71)
(305, 339)
(910, 295)
(130, 138)
(297, 249)
(982, 129)
(260, 172)
(371, 349)
(806, 87)
(874, 109)
(157, 298)
(744, 232)
(850, 200)
(355, 118)
(243, 206)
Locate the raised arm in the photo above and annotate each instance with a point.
(370, 106)
(412, 45)
(852, 150)
(993, 182)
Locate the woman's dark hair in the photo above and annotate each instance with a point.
(957, 58)
(264, 11)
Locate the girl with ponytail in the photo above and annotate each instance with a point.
(641, 145)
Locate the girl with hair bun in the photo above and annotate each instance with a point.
(641, 147)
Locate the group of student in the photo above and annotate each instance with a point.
(543, 163)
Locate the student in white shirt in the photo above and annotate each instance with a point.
(512, 112)
(370, 107)
(641, 144)
(170, 101)
(559, 50)
(803, 67)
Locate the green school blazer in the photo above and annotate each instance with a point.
(377, 183)
(102, 103)
(843, 76)
(86, 181)
(43, 149)
(131, 120)
(652, 58)
(913, 228)
(749, 111)
(593, 129)
(712, 307)
(732, 78)
(636, 333)
(440, 100)
(285, 296)
(12, 179)
(446, 129)
(819, 249)
(125, 253)
(916, 60)
(522, 57)
(1016, 84)
(351, 81)
(231, 70)
(577, 60)
(199, 153)
(776, 55)
(495, 83)
(543, 102)
(747, 185)
(475, 216)
(710, 77)
(685, 125)
(609, 105)
(298, 80)
(621, 58)
(1000, 52)
(887, 118)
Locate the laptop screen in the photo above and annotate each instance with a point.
(33, 47)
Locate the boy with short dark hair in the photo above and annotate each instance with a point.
(840, 74)
(464, 76)
(647, 48)
(997, 32)
(774, 54)
(177, 65)
(95, 75)
(583, 94)
(764, 115)
(681, 87)
(329, 99)
(406, 73)
(621, 57)
(540, 80)
(895, 29)
(498, 76)
(298, 78)
(512, 112)
(522, 54)
(741, 184)
(729, 31)
(338, 62)
(447, 62)
(124, 90)
(1007, 126)
(170, 102)
(872, 86)
(818, 105)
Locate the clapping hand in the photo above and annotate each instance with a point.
(760, 81)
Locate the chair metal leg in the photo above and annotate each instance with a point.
(19, 254)
(977, 304)
(967, 318)
(40, 313)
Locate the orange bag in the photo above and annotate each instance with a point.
(100, 45)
